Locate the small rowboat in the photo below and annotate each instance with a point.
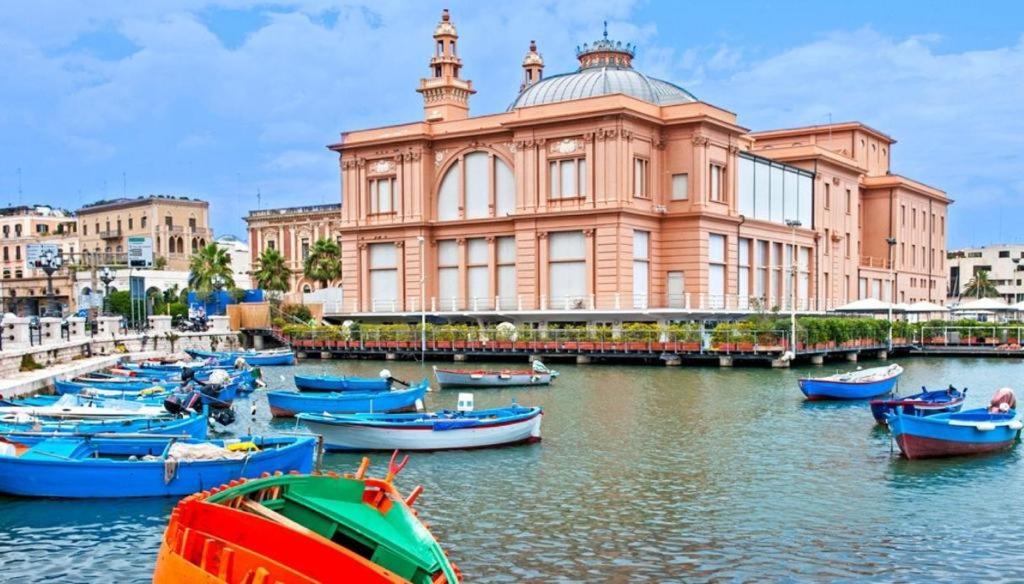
(427, 431)
(860, 384)
(970, 432)
(35, 431)
(140, 465)
(925, 403)
(334, 383)
(120, 384)
(254, 358)
(302, 529)
(288, 403)
(481, 378)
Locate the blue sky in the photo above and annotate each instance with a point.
(222, 100)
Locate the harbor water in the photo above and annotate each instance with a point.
(643, 474)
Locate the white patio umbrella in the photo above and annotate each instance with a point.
(924, 306)
(867, 305)
(984, 304)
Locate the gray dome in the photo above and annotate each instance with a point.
(595, 81)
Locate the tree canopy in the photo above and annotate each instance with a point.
(272, 273)
(324, 262)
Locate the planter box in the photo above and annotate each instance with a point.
(587, 346)
(570, 345)
(372, 344)
(658, 346)
(936, 341)
(549, 345)
(504, 344)
(443, 344)
(474, 344)
(724, 347)
(521, 345)
(613, 346)
(689, 346)
(748, 347)
(635, 346)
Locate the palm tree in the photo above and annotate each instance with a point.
(323, 263)
(207, 265)
(271, 273)
(981, 287)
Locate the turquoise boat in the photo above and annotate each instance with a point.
(289, 403)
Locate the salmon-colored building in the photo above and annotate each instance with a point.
(605, 192)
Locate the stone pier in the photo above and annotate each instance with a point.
(582, 359)
(459, 357)
(817, 359)
(725, 361)
(852, 357)
(673, 361)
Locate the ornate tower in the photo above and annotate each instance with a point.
(533, 67)
(445, 94)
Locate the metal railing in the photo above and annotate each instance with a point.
(650, 339)
(599, 302)
(971, 336)
(874, 262)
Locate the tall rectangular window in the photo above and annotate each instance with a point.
(448, 275)
(680, 187)
(847, 244)
(743, 272)
(567, 269)
(676, 289)
(715, 188)
(382, 195)
(745, 186)
(849, 201)
(641, 268)
(478, 275)
(641, 178)
(761, 270)
(862, 288)
(383, 277)
(828, 196)
(803, 290)
(568, 178)
(305, 249)
(716, 270)
(506, 256)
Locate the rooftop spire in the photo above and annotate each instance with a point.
(445, 94)
(533, 67)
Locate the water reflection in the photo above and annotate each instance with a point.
(644, 474)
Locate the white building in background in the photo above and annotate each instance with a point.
(241, 261)
(1003, 262)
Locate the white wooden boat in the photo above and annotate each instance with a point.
(427, 431)
(538, 375)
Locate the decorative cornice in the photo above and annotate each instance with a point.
(699, 140)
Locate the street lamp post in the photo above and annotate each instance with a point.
(423, 300)
(106, 276)
(792, 224)
(49, 262)
(892, 284)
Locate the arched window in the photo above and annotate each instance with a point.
(479, 184)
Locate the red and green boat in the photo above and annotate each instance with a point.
(302, 529)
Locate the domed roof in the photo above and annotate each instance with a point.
(606, 68)
(596, 81)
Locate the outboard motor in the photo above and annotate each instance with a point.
(173, 405)
(187, 374)
(1003, 400)
(224, 417)
(194, 402)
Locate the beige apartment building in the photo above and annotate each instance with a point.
(178, 226)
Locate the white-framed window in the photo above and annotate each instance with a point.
(716, 185)
(567, 269)
(480, 184)
(641, 268)
(506, 272)
(449, 297)
(383, 277)
(567, 178)
(382, 195)
(478, 274)
(676, 289)
(680, 186)
(716, 270)
(305, 248)
(743, 271)
(761, 270)
(641, 178)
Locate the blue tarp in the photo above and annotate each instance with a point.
(216, 303)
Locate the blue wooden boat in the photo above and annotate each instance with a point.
(289, 403)
(150, 466)
(925, 403)
(334, 383)
(213, 395)
(123, 384)
(969, 432)
(254, 358)
(860, 384)
(31, 433)
(442, 430)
